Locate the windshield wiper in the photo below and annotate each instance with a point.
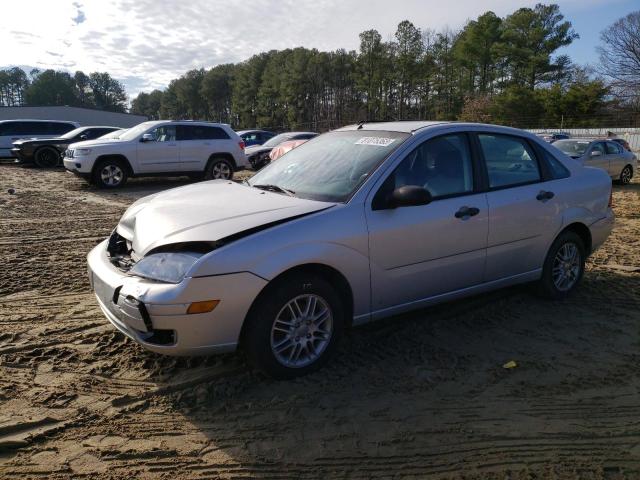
(275, 188)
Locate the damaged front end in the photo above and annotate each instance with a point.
(167, 263)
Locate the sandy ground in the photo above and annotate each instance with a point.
(420, 395)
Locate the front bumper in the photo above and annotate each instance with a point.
(21, 156)
(154, 314)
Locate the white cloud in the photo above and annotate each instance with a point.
(146, 43)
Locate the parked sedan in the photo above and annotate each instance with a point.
(47, 152)
(255, 137)
(258, 155)
(552, 137)
(608, 155)
(361, 223)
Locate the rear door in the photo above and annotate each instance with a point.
(161, 154)
(198, 143)
(523, 205)
(423, 251)
(616, 158)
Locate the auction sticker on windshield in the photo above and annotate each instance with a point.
(376, 141)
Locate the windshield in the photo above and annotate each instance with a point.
(133, 132)
(73, 133)
(277, 140)
(332, 166)
(573, 148)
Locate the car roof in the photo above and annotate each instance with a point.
(401, 126)
(240, 132)
(299, 133)
(101, 126)
(38, 120)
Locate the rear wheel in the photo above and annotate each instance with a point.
(294, 326)
(564, 266)
(626, 175)
(47, 157)
(219, 169)
(110, 173)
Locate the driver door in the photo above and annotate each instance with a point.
(162, 153)
(597, 157)
(422, 251)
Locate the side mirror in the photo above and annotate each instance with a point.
(409, 196)
(596, 153)
(147, 137)
(84, 136)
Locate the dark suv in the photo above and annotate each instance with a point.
(47, 152)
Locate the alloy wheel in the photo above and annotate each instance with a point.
(566, 267)
(47, 158)
(111, 175)
(221, 170)
(625, 176)
(301, 331)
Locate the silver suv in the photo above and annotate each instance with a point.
(198, 149)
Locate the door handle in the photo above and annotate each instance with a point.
(466, 212)
(543, 196)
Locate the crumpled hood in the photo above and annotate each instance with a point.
(206, 212)
(39, 141)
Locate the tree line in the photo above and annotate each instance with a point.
(494, 69)
(50, 87)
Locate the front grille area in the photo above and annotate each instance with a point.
(68, 153)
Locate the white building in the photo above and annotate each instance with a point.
(84, 116)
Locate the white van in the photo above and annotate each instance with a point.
(12, 130)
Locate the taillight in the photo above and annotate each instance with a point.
(610, 198)
(241, 144)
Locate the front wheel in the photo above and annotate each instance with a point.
(626, 175)
(110, 174)
(47, 157)
(563, 267)
(294, 327)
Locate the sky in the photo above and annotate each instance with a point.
(147, 43)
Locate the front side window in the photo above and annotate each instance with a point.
(332, 166)
(598, 147)
(165, 133)
(441, 165)
(509, 160)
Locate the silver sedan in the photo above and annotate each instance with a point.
(610, 156)
(357, 224)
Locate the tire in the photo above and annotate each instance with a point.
(563, 267)
(110, 173)
(626, 175)
(47, 157)
(219, 169)
(285, 346)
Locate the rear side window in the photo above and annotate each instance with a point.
(56, 128)
(558, 170)
(6, 127)
(510, 160)
(613, 148)
(30, 128)
(201, 132)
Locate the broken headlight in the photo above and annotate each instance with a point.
(170, 267)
